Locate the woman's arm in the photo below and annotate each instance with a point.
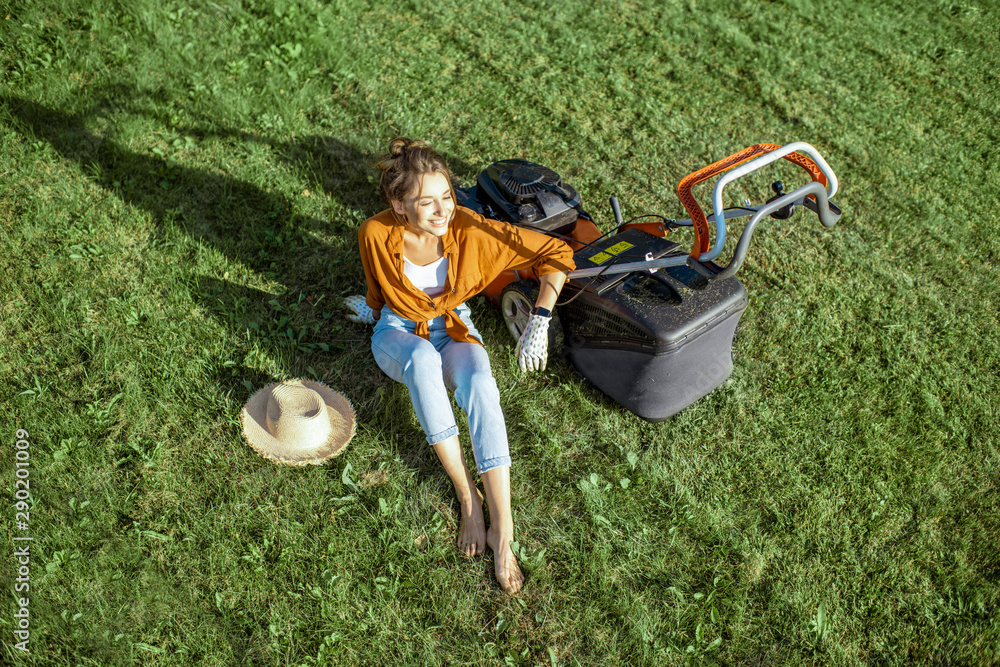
(374, 297)
(548, 292)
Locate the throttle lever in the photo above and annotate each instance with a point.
(785, 212)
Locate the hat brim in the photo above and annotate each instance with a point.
(342, 423)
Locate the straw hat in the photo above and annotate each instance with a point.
(298, 422)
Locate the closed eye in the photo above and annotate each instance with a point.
(428, 202)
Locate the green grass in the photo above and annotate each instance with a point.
(180, 189)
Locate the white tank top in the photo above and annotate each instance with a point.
(431, 278)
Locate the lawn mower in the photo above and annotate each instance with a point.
(647, 323)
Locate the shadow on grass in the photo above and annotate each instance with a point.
(260, 229)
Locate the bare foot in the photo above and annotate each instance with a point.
(504, 562)
(472, 526)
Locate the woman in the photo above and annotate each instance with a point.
(424, 257)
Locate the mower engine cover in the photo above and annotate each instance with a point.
(525, 193)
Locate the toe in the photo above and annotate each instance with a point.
(513, 584)
(516, 581)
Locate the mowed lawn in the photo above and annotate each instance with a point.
(181, 185)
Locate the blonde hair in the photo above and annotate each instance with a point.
(403, 166)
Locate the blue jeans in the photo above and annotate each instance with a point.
(430, 368)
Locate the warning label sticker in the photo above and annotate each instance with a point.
(607, 254)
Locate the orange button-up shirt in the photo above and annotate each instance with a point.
(478, 251)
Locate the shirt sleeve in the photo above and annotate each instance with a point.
(527, 248)
(374, 297)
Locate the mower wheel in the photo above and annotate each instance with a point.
(516, 303)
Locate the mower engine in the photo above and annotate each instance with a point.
(524, 193)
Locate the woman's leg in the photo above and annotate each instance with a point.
(412, 360)
(496, 481)
(472, 527)
(467, 372)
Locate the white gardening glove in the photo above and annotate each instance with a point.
(533, 346)
(362, 312)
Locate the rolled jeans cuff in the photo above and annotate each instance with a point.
(442, 435)
(495, 462)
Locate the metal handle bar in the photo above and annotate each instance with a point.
(817, 167)
(754, 165)
(828, 214)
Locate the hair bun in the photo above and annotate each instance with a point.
(398, 145)
(401, 145)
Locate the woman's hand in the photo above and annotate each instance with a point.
(533, 346)
(361, 312)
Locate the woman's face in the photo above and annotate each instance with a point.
(429, 206)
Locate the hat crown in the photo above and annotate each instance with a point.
(296, 415)
(298, 422)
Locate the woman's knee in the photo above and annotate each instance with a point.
(405, 356)
(476, 389)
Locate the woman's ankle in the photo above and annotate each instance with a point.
(501, 534)
(469, 495)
